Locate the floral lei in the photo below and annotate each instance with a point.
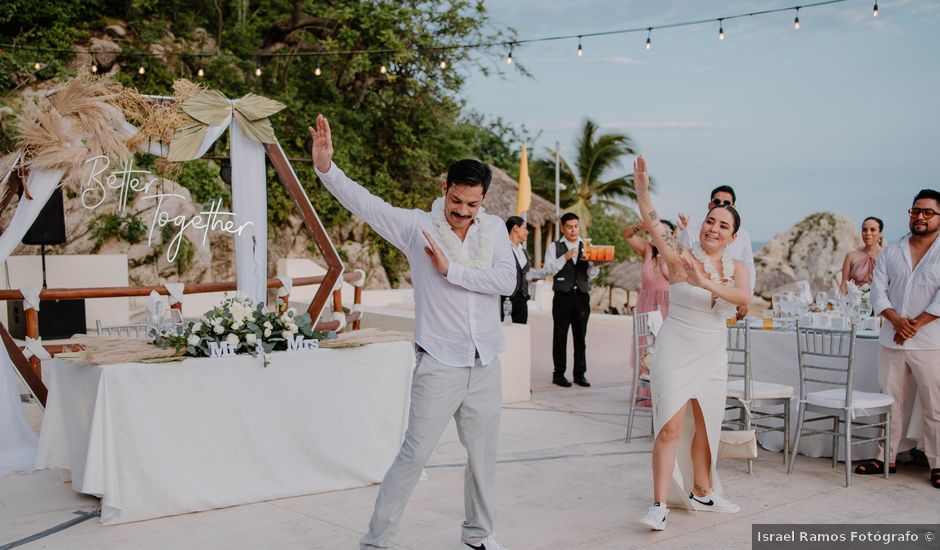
(725, 308)
(452, 244)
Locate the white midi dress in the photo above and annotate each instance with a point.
(690, 362)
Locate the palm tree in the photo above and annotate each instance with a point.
(585, 183)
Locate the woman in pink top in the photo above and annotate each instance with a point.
(654, 290)
(859, 265)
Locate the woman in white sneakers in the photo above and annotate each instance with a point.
(690, 366)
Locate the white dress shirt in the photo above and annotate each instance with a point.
(456, 316)
(519, 251)
(739, 248)
(553, 263)
(909, 292)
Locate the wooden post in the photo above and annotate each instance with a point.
(357, 300)
(538, 247)
(32, 331)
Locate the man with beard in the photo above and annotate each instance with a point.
(906, 292)
(457, 285)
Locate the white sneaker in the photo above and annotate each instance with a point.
(713, 503)
(489, 543)
(655, 517)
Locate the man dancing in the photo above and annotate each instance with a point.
(457, 286)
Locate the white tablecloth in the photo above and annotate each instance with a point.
(155, 440)
(774, 359)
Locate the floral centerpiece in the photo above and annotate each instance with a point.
(247, 328)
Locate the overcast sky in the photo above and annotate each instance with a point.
(842, 115)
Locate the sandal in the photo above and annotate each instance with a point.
(935, 477)
(876, 466)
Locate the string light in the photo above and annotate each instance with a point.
(94, 68)
(649, 34)
(874, 11)
(383, 69)
(721, 30)
(200, 73)
(317, 71)
(796, 22)
(509, 57)
(580, 50)
(443, 64)
(257, 71)
(37, 65)
(141, 70)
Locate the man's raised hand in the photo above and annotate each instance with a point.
(322, 144)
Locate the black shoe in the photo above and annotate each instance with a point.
(582, 381)
(560, 380)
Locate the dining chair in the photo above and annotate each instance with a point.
(643, 342)
(826, 358)
(755, 401)
(126, 331)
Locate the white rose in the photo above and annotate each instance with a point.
(236, 325)
(268, 325)
(218, 329)
(216, 321)
(193, 340)
(250, 339)
(232, 339)
(197, 326)
(267, 333)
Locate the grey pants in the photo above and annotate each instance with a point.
(473, 397)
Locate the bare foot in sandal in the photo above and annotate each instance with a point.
(873, 467)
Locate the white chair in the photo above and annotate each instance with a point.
(126, 331)
(830, 354)
(643, 342)
(752, 398)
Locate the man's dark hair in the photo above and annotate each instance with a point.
(512, 222)
(567, 216)
(928, 194)
(734, 214)
(469, 172)
(724, 189)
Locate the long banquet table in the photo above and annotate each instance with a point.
(774, 359)
(154, 440)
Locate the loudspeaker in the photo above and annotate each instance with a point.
(49, 227)
(57, 318)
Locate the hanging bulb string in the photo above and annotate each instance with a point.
(451, 47)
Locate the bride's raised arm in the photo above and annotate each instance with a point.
(662, 236)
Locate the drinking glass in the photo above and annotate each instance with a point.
(775, 302)
(822, 300)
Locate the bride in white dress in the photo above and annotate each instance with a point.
(690, 365)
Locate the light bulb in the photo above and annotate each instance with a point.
(649, 35)
(94, 68)
(317, 71)
(509, 57)
(383, 69)
(874, 11)
(580, 49)
(257, 71)
(200, 73)
(37, 65)
(443, 64)
(721, 33)
(796, 23)
(141, 70)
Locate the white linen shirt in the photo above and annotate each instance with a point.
(456, 316)
(553, 263)
(519, 251)
(909, 292)
(739, 248)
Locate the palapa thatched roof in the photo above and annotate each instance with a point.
(501, 200)
(627, 275)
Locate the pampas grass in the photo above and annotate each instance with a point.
(109, 350)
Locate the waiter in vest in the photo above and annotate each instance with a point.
(518, 234)
(571, 304)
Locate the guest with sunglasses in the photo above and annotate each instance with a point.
(740, 248)
(906, 292)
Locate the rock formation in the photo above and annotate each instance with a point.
(811, 250)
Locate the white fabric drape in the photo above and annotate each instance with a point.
(17, 440)
(250, 205)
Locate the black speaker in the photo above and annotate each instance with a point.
(57, 318)
(49, 227)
